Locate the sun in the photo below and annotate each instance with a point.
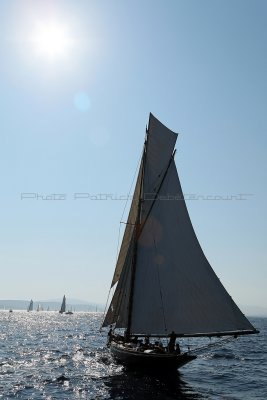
(51, 40)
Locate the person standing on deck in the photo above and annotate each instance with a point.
(171, 345)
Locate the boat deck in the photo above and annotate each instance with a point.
(133, 356)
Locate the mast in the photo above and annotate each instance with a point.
(136, 234)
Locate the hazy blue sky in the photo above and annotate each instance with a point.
(73, 114)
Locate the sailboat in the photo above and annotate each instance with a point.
(63, 305)
(69, 312)
(164, 287)
(30, 306)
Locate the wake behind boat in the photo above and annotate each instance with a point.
(164, 285)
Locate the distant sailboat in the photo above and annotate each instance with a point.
(69, 312)
(165, 287)
(30, 307)
(63, 305)
(38, 307)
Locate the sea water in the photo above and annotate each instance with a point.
(46, 355)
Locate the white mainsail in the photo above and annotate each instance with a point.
(166, 283)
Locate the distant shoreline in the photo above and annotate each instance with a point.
(79, 305)
(21, 305)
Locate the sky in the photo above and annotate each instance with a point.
(78, 80)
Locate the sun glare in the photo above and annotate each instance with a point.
(51, 40)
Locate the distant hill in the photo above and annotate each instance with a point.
(52, 305)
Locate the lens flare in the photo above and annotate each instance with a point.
(51, 40)
(82, 101)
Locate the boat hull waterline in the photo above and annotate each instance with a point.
(133, 357)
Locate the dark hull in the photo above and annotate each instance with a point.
(135, 358)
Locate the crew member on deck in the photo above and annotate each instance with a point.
(177, 349)
(171, 345)
(110, 334)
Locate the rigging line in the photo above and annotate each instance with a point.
(105, 310)
(218, 343)
(118, 244)
(160, 290)
(137, 168)
(123, 294)
(119, 233)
